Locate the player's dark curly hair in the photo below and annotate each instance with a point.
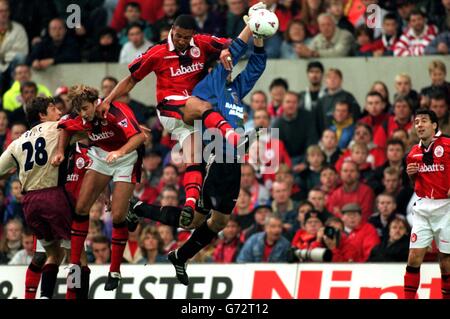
(38, 106)
(79, 94)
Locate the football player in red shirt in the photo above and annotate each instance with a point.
(115, 154)
(428, 166)
(178, 64)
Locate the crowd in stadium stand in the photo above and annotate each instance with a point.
(341, 164)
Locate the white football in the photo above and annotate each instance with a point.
(263, 23)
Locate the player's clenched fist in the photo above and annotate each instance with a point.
(57, 159)
(412, 168)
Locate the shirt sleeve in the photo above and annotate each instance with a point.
(145, 63)
(7, 161)
(211, 44)
(71, 123)
(122, 116)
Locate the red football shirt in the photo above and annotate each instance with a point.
(177, 73)
(432, 180)
(109, 134)
(78, 161)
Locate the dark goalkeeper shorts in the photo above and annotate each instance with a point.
(220, 188)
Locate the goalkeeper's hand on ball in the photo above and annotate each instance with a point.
(256, 7)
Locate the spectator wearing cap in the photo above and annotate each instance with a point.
(57, 48)
(363, 236)
(351, 191)
(266, 246)
(12, 99)
(227, 248)
(311, 95)
(395, 246)
(260, 212)
(418, 36)
(137, 44)
(306, 237)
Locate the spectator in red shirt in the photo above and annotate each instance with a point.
(227, 248)
(364, 134)
(351, 191)
(402, 118)
(167, 235)
(306, 237)
(363, 236)
(151, 11)
(375, 106)
(365, 43)
(418, 36)
(271, 150)
(277, 90)
(259, 193)
(329, 180)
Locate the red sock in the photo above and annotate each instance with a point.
(192, 182)
(32, 279)
(412, 280)
(71, 294)
(118, 242)
(445, 286)
(213, 119)
(80, 227)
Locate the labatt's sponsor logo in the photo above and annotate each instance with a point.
(72, 177)
(315, 284)
(194, 67)
(431, 168)
(101, 136)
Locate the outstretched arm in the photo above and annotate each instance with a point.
(122, 88)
